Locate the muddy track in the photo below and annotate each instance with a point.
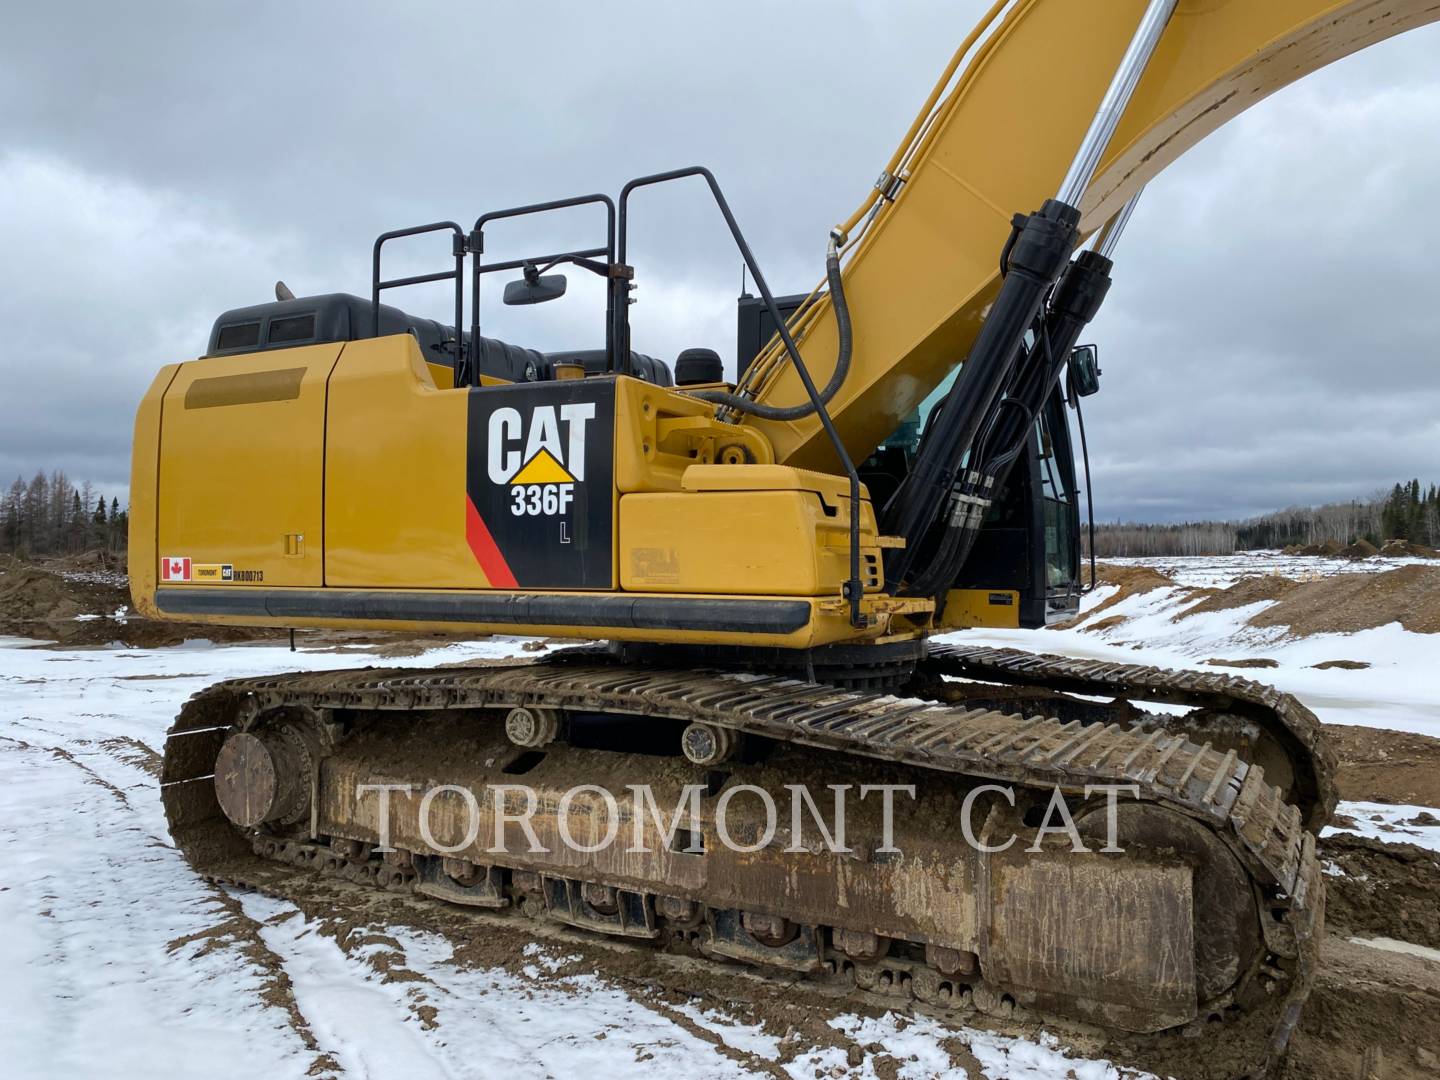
(1208, 787)
(1279, 715)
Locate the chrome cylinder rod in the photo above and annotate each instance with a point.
(1117, 97)
(1110, 232)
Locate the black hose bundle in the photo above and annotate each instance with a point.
(837, 377)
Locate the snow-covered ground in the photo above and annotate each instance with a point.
(116, 960)
(1393, 823)
(1220, 571)
(1399, 689)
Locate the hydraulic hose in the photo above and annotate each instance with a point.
(750, 407)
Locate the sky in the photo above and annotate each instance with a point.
(1270, 339)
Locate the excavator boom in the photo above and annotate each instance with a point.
(997, 139)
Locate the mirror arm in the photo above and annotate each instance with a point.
(602, 269)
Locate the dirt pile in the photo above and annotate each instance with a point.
(1128, 581)
(1329, 549)
(1346, 603)
(1386, 766)
(86, 601)
(1360, 549)
(1403, 549)
(1251, 590)
(1339, 604)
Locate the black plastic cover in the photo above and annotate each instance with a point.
(313, 320)
(695, 366)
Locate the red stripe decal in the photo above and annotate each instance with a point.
(497, 570)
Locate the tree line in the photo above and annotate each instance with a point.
(1406, 512)
(50, 515)
(1412, 514)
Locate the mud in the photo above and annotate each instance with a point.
(1375, 889)
(1371, 1017)
(1386, 766)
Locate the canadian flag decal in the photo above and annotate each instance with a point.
(174, 569)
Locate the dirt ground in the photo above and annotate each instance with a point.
(1387, 766)
(1345, 603)
(86, 601)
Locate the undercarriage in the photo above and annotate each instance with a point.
(1012, 834)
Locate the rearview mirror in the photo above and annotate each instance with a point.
(1084, 370)
(534, 289)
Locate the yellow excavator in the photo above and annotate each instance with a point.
(759, 567)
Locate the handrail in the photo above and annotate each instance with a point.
(457, 248)
(477, 247)
(854, 590)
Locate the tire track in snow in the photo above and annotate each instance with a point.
(114, 949)
(393, 1002)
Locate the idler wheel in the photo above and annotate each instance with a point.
(246, 780)
(263, 778)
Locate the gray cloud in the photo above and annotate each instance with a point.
(1269, 339)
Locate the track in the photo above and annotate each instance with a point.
(1281, 717)
(1226, 801)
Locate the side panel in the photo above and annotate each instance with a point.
(773, 542)
(540, 483)
(395, 453)
(242, 469)
(685, 542)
